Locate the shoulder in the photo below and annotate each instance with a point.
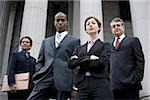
(15, 53)
(33, 58)
(48, 38)
(72, 37)
(133, 39)
(104, 43)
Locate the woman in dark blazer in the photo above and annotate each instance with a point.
(21, 62)
(92, 62)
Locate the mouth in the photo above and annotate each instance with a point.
(117, 30)
(91, 29)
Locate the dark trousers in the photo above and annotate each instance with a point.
(19, 95)
(131, 93)
(94, 89)
(47, 93)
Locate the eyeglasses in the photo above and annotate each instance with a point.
(118, 25)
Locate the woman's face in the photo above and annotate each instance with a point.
(25, 44)
(92, 26)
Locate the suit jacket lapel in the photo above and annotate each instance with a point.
(52, 42)
(96, 44)
(84, 49)
(65, 40)
(121, 43)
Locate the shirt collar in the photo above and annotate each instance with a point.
(93, 41)
(120, 37)
(24, 52)
(63, 34)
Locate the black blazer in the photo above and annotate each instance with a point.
(19, 63)
(127, 64)
(97, 68)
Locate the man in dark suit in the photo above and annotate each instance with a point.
(52, 71)
(127, 63)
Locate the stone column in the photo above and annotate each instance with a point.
(140, 13)
(34, 23)
(76, 18)
(89, 8)
(4, 16)
(8, 39)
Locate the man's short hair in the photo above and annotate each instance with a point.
(117, 19)
(61, 14)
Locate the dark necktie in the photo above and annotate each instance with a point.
(117, 43)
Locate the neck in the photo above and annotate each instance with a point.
(61, 31)
(25, 50)
(92, 36)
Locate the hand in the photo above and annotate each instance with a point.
(13, 88)
(73, 95)
(74, 57)
(93, 57)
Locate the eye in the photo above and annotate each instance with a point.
(118, 25)
(60, 20)
(87, 23)
(25, 42)
(93, 23)
(113, 26)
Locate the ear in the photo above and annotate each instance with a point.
(99, 29)
(66, 24)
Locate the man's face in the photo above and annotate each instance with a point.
(60, 23)
(117, 28)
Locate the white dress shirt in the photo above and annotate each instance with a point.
(121, 37)
(90, 44)
(61, 37)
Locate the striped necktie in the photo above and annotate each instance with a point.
(58, 40)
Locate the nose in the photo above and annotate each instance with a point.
(60, 22)
(91, 24)
(24, 43)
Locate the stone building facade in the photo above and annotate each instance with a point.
(35, 19)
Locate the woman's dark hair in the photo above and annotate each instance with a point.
(98, 22)
(27, 38)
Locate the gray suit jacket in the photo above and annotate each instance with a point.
(52, 66)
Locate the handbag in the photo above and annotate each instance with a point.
(22, 82)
